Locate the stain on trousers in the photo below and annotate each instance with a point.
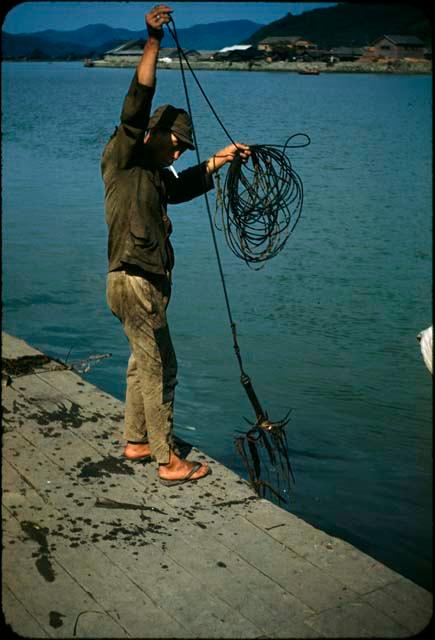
(140, 304)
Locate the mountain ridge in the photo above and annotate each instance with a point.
(344, 24)
(96, 39)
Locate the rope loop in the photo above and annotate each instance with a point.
(261, 203)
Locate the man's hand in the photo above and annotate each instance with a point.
(227, 154)
(156, 18)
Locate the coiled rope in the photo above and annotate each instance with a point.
(260, 206)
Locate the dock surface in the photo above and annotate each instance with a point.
(95, 547)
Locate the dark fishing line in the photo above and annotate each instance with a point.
(260, 208)
(181, 54)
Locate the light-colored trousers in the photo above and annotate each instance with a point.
(140, 304)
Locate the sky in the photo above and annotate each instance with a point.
(28, 17)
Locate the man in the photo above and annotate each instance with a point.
(138, 187)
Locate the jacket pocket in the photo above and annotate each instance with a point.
(142, 234)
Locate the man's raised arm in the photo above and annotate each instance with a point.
(128, 137)
(155, 19)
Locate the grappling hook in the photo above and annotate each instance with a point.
(262, 419)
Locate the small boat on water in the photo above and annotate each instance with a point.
(88, 62)
(309, 72)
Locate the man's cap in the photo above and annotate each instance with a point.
(173, 119)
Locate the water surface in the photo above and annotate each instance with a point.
(327, 328)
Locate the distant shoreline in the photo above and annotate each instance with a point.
(391, 67)
(404, 67)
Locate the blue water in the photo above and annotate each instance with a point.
(327, 328)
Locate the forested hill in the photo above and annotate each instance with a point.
(349, 24)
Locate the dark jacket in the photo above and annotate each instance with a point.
(137, 193)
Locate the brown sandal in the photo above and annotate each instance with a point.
(187, 478)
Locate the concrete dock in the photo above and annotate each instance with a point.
(95, 547)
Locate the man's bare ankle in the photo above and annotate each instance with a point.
(172, 462)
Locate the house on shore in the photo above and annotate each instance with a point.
(125, 53)
(345, 54)
(169, 55)
(287, 48)
(296, 43)
(396, 47)
(238, 53)
(129, 53)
